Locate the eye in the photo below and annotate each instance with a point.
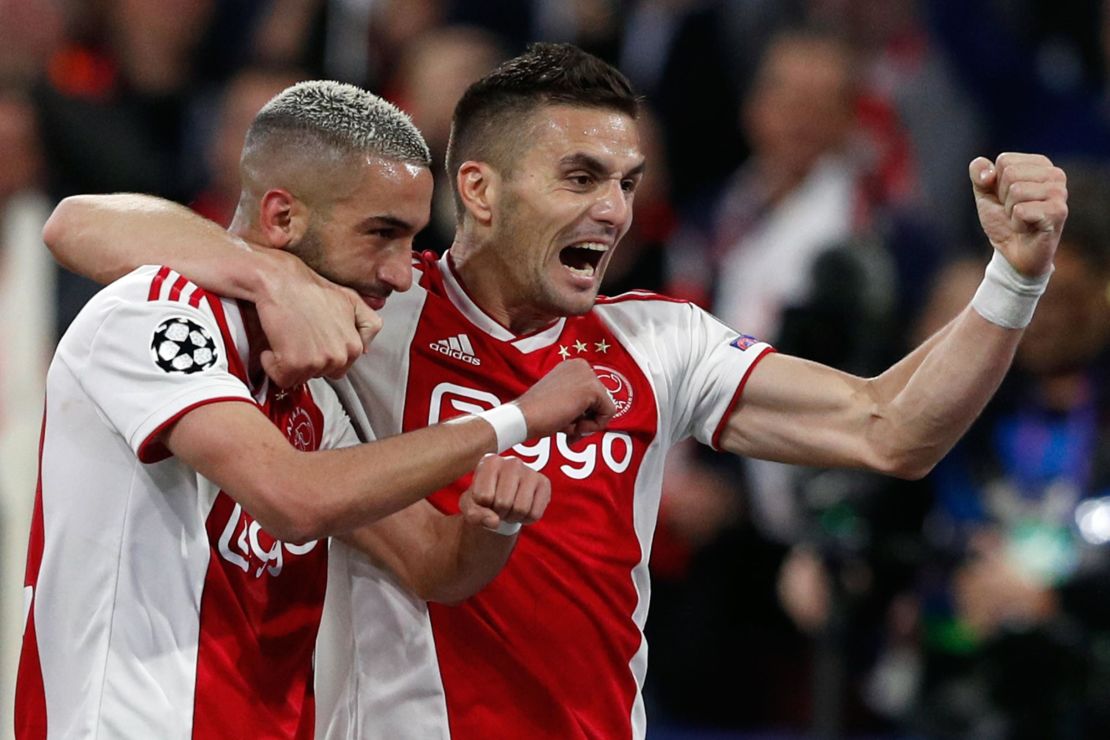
(628, 185)
(581, 179)
(384, 233)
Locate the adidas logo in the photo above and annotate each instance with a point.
(458, 347)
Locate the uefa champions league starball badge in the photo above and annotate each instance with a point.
(181, 345)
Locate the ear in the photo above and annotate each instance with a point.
(479, 187)
(283, 219)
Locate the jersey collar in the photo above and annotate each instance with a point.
(456, 293)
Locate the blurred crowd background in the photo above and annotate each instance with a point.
(807, 182)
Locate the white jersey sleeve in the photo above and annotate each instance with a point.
(719, 361)
(698, 365)
(145, 362)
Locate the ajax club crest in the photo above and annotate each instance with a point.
(620, 390)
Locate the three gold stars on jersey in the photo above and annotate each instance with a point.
(565, 351)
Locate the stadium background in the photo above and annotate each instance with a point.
(821, 139)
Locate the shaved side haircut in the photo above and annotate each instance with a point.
(310, 134)
(490, 118)
(340, 116)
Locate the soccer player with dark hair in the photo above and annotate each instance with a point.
(546, 160)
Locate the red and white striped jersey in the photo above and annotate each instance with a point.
(554, 647)
(156, 607)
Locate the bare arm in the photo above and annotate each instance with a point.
(104, 237)
(450, 558)
(315, 328)
(904, 421)
(299, 496)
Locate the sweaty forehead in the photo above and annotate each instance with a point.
(558, 130)
(390, 188)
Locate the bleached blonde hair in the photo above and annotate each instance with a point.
(345, 119)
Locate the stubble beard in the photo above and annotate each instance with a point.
(532, 286)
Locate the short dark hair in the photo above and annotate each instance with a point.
(489, 114)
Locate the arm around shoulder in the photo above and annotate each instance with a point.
(103, 237)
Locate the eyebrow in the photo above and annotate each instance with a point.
(385, 220)
(595, 165)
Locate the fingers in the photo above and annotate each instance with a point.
(319, 359)
(506, 490)
(367, 323)
(277, 371)
(475, 514)
(982, 173)
(569, 395)
(540, 499)
(314, 328)
(1029, 187)
(584, 427)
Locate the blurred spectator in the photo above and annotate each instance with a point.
(724, 655)
(796, 257)
(243, 97)
(800, 190)
(26, 343)
(593, 25)
(693, 60)
(116, 107)
(788, 243)
(432, 74)
(921, 127)
(115, 100)
(29, 32)
(1017, 605)
(393, 26)
(20, 147)
(283, 32)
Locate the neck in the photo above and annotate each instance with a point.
(489, 285)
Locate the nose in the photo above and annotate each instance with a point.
(613, 205)
(396, 271)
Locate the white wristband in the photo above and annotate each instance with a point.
(1006, 297)
(508, 424)
(506, 528)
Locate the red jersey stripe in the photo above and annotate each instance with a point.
(178, 286)
(156, 284)
(30, 692)
(234, 362)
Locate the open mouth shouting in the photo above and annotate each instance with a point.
(583, 258)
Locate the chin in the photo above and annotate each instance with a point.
(578, 305)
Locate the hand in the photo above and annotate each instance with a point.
(804, 590)
(1022, 204)
(991, 591)
(568, 399)
(504, 489)
(315, 328)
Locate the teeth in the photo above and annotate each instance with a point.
(593, 246)
(587, 271)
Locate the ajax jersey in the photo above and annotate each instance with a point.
(156, 607)
(554, 646)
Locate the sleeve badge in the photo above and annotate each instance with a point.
(180, 345)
